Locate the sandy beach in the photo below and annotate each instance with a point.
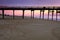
(29, 29)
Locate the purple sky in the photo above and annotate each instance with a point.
(29, 2)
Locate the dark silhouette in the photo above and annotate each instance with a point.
(32, 9)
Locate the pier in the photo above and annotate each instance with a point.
(42, 9)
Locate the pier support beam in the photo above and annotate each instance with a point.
(48, 14)
(56, 15)
(23, 14)
(2, 14)
(43, 14)
(52, 14)
(32, 14)
(43, 11)
(40, 14)
(13, 14)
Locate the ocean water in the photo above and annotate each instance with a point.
(50, 17)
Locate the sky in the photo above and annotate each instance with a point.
(30, 2)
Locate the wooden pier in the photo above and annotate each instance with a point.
(42, 9)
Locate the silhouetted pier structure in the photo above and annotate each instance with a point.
(42, 9)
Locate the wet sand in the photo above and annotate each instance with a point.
(29, 29)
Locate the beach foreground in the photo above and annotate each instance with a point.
(29, 29)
